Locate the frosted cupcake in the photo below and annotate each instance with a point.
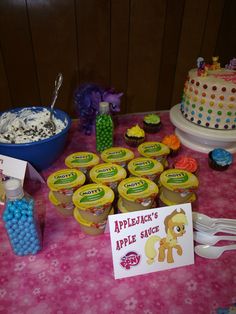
(151, 123)
(186, 163)
(220, 159)
(134, 136)
(173, 142)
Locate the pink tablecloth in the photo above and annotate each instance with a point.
(74, 272)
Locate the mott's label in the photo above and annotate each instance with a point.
(144, 166)
(177, 179)
(151, 149)
(53, 199)
(107, 172)
(81, 160)
(98, 225)
(65, 179)
(117, 154)
(170, 203)
(135, 188)
(92, 195)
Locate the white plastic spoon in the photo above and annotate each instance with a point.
(214, 230)
(208, 251)
(211, 222)
(205, 238)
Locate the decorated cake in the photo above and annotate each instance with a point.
(209, 97)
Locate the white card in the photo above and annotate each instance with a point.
(151, 240)
(16, 168)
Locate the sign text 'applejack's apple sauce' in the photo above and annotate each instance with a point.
(137, 193)
(117, 155)
(145, 167)
(177, 187)
(64, 182)
(93, 202)
(82, 161)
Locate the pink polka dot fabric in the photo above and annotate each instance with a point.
(74, 272)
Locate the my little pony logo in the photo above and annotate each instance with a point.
(130, 259)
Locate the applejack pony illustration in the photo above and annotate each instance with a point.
(174, 227)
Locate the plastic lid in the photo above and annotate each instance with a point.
(134, 188)
(107, 172)
(13, 189)
(81, 160)
(103, 107)
(152, 149)
(65, 179)
(144, 166)
(117, 154)
(93, 195)
(178, 179)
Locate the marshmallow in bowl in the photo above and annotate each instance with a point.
(27, 125)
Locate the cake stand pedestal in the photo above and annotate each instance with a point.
(199, 138)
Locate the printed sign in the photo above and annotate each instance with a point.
(151, 240)
(16, 168)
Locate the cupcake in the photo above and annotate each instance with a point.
(220, 159)
(134, 136)
(173, 142)
(151, 123)
(186, 163)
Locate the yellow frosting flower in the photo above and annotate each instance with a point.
(135, 131)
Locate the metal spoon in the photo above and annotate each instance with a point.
(205, 238)
(208, 251)
(212, 222)
(50, 123)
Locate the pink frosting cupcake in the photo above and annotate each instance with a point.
(186, 163)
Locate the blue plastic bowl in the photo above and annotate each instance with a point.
(41, 154)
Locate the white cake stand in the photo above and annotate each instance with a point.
(199, 138)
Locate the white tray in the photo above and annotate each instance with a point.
(199, 138)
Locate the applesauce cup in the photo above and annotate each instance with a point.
(65, 210)
(122, 209)
(155, 150)
(108, 174)
(64, 182)
(90, 227)
(177, 187)
(145, 167)
(117, 155)
(83, 161)
(93, 201)
(137, 193)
